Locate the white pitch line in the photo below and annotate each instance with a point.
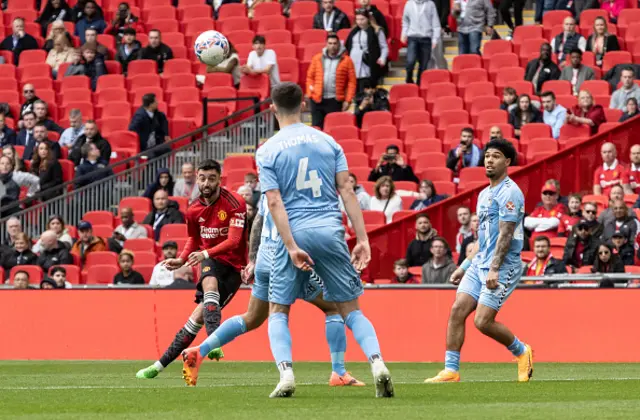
(62, 387)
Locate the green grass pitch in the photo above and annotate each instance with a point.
(230, 390)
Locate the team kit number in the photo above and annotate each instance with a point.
(314, 182)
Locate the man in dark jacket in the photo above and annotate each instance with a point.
(620, 244)
(330, 18)
(30, 98)
(25, 135)
(391, 163)
(41, 109)
(541, 69)
(544, 264)
(18, 41)
(92, 168)
(53, 251)
(40, 134)
(91, 134)
(91, 19)
(149, 124)
(156, 50)
(11, 194)
(466, 155)
(128, 50)
(370, 99)
(581, 247)
(165, 212)
(77, 13)
(419, 250)
(7, 135)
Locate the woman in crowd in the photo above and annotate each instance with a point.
(56, 224)
(23, 179)
(524, 114)
(20, 254)
(57, 29)
(48, 169)
(632, 110)
(607, 262)
(586, 112)
(427, 196)
(62, 52)
(164, 181)
(54, 11)
(386, 200)
(9, 151)
(230, 65)
(601, 41)
(509, 98)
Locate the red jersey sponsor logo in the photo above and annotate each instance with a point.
(212, 233)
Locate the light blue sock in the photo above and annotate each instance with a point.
(226, 333)
(364, 333)
(280, 338)
(452, 360)
(337, 339)
(517, 347)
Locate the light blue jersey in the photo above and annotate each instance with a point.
(302, 163)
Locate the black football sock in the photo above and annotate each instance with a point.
(212, 314)
(181, 341)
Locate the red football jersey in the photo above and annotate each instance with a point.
(609, 176)
(567, 223)
(632, 177)
(219, 228)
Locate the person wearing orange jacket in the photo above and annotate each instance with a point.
(331, 81)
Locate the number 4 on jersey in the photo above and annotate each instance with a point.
(314, 181)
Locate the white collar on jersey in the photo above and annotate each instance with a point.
(612, 167)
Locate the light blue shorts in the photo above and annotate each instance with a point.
(260, 290)
(328, 250)
(474, 283)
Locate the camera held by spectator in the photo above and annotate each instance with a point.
(371, 99)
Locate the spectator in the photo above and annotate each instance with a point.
(251, 180)
(465, 247)
(20, 254)
(25, 135)
(368, 49)
(40, 135)
(364, 199)
(577, 73)
(54, 11)
(164, 181)
(331, 81)
(601, 41)
(575, 7)
(21, 280)
(466, 155)
(246, 193)
(41, 110)
(581, 247)
(128, 50)
(47, 284)
(87, 243)
(262, 61)
(330, 18)
(123, 20)
(161, 275)
(402, 274)
(77, 12)
(392, 164)
(554, 115)
(46, 166)
(156, 50)
(632, 110)
(91, 41)
(59, 54)
(56, 225)
(230, 65)
(567, 41)
(69, 136)
(151, 125)
(586, 112)
(251, 5)
(9, 151)
(29, 95)
(545, 219)
(542, 7)
(543, 264)
(621, 222)
(18, 41)
(542, 69)
(128, 229)
(616, 194)
(10, 189)
(90, 19)
(376, 15)
(611, 171)
(91, 134)
(613, 9)
(631, 177)
(420, 31)
(628, 90)
(427, 196)
(187, 186)
(464, 219)
(621, 246)
(438, 269)
(505, 12)
(419, 249)
(93, 168)
(57, 29)
(164, 212)
(386, 199)
(59, 276)
(127, 274)
(52, 251)
(371, 98)
(509, 99)
(607, 262)
(572, 216)
(7, 135)
(91, 66)
(474, 18)
(22, 179)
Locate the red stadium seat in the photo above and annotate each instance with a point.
(373, 217)
(342, 132)
(428, 160)
(230, 10)
(352, 146)
(188, 111)
(522, 33)
(110, 95)
(99, 217)
(267, 9)
(451, 117)
(113, 67)
(491, 117)
(142, 204)
(522, 87)
(431, 144)
(163, 25)
(437, 174)
(612, 58)
(199, 25)
(357, 159)
(289, 69)
(507, 131)
(278, 36)
(109, 81)
(100, 258)
(596, 87)
(446, 103)
(407, 104)
(552, 18)
(438, 90)
(173, 231)
(430, 77)
(102, 274)
(269, 23)
(382, 131)
(401, 91)
(499, 61)
(541, 147)
(372, 119)
(410, 118)
(569, 131)
(258, 83)
(140, 244)
(497, 46)
(476, 89)
(483, 103)
(73, 273)
(244, 162)
(137, 67)
(559, 87)
(464, 61)
(612, 114)
(627, 18)
(534, 130)
(445, 188)
(335, 119)
(35, 273)
(303, 8)
(587, 17)
(284, 50)
(468, 76)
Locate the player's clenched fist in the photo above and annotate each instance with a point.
(195, 258)
(456, 276)
(301, 259)
(492, 279)
(173, 263)
(361, 256)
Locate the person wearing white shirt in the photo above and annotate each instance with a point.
(554, 115)
(129, 229)
(386, 200)
(262, 61)
(70, 135)
(161, 275)
(186, 186)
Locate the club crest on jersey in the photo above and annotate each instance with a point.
(206, 269)
(222, 215)
(510, 206)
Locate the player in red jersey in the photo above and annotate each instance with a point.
(217, 241)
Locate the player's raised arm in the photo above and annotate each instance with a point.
(361, 254)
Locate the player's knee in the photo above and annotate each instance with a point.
(210, 284)
(483, 322)
(459, 312)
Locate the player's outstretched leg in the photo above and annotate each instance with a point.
(486, 323)
(280, 341)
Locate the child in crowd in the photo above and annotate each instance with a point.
(127, 275)
(509, 97)
(401, 270)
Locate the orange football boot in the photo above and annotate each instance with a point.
(191, 363)
(344, 380)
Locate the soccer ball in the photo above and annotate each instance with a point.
(211, 48)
